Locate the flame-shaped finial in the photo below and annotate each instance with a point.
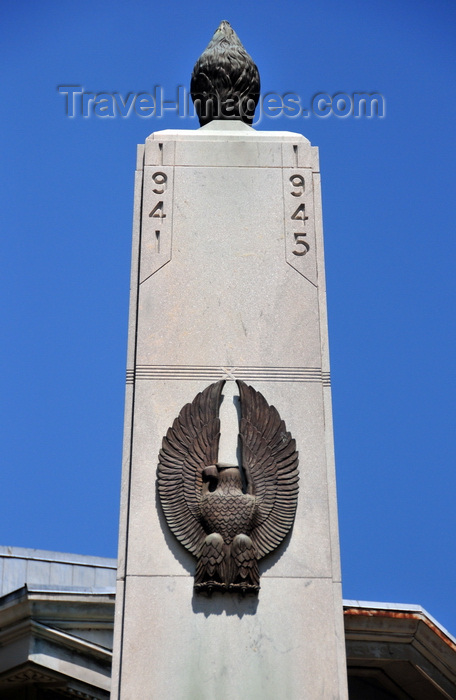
(225, 81)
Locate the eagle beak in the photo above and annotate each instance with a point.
(211, 472)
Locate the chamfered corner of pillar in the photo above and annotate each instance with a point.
(140, 156)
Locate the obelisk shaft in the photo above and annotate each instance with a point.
(228, 283)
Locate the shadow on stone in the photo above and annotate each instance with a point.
(228, 603)
(178, 550)
(272, 558)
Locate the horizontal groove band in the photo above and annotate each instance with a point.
(214, 373)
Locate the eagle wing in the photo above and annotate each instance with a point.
(270, 462)
(190, 445)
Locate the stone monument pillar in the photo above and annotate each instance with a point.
(228, 284)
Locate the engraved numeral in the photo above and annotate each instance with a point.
(305, 246)
(300, 213)
(157, 211)
(298, 183)
(160, 179)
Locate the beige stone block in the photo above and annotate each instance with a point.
(152, 548)
(194, 313)
(280, 645)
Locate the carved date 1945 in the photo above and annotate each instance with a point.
(298, 184)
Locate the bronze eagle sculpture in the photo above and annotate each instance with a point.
(228, 517)
(225, 81)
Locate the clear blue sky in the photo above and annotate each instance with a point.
(388, 198)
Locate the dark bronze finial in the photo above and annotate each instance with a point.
(225, 81)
